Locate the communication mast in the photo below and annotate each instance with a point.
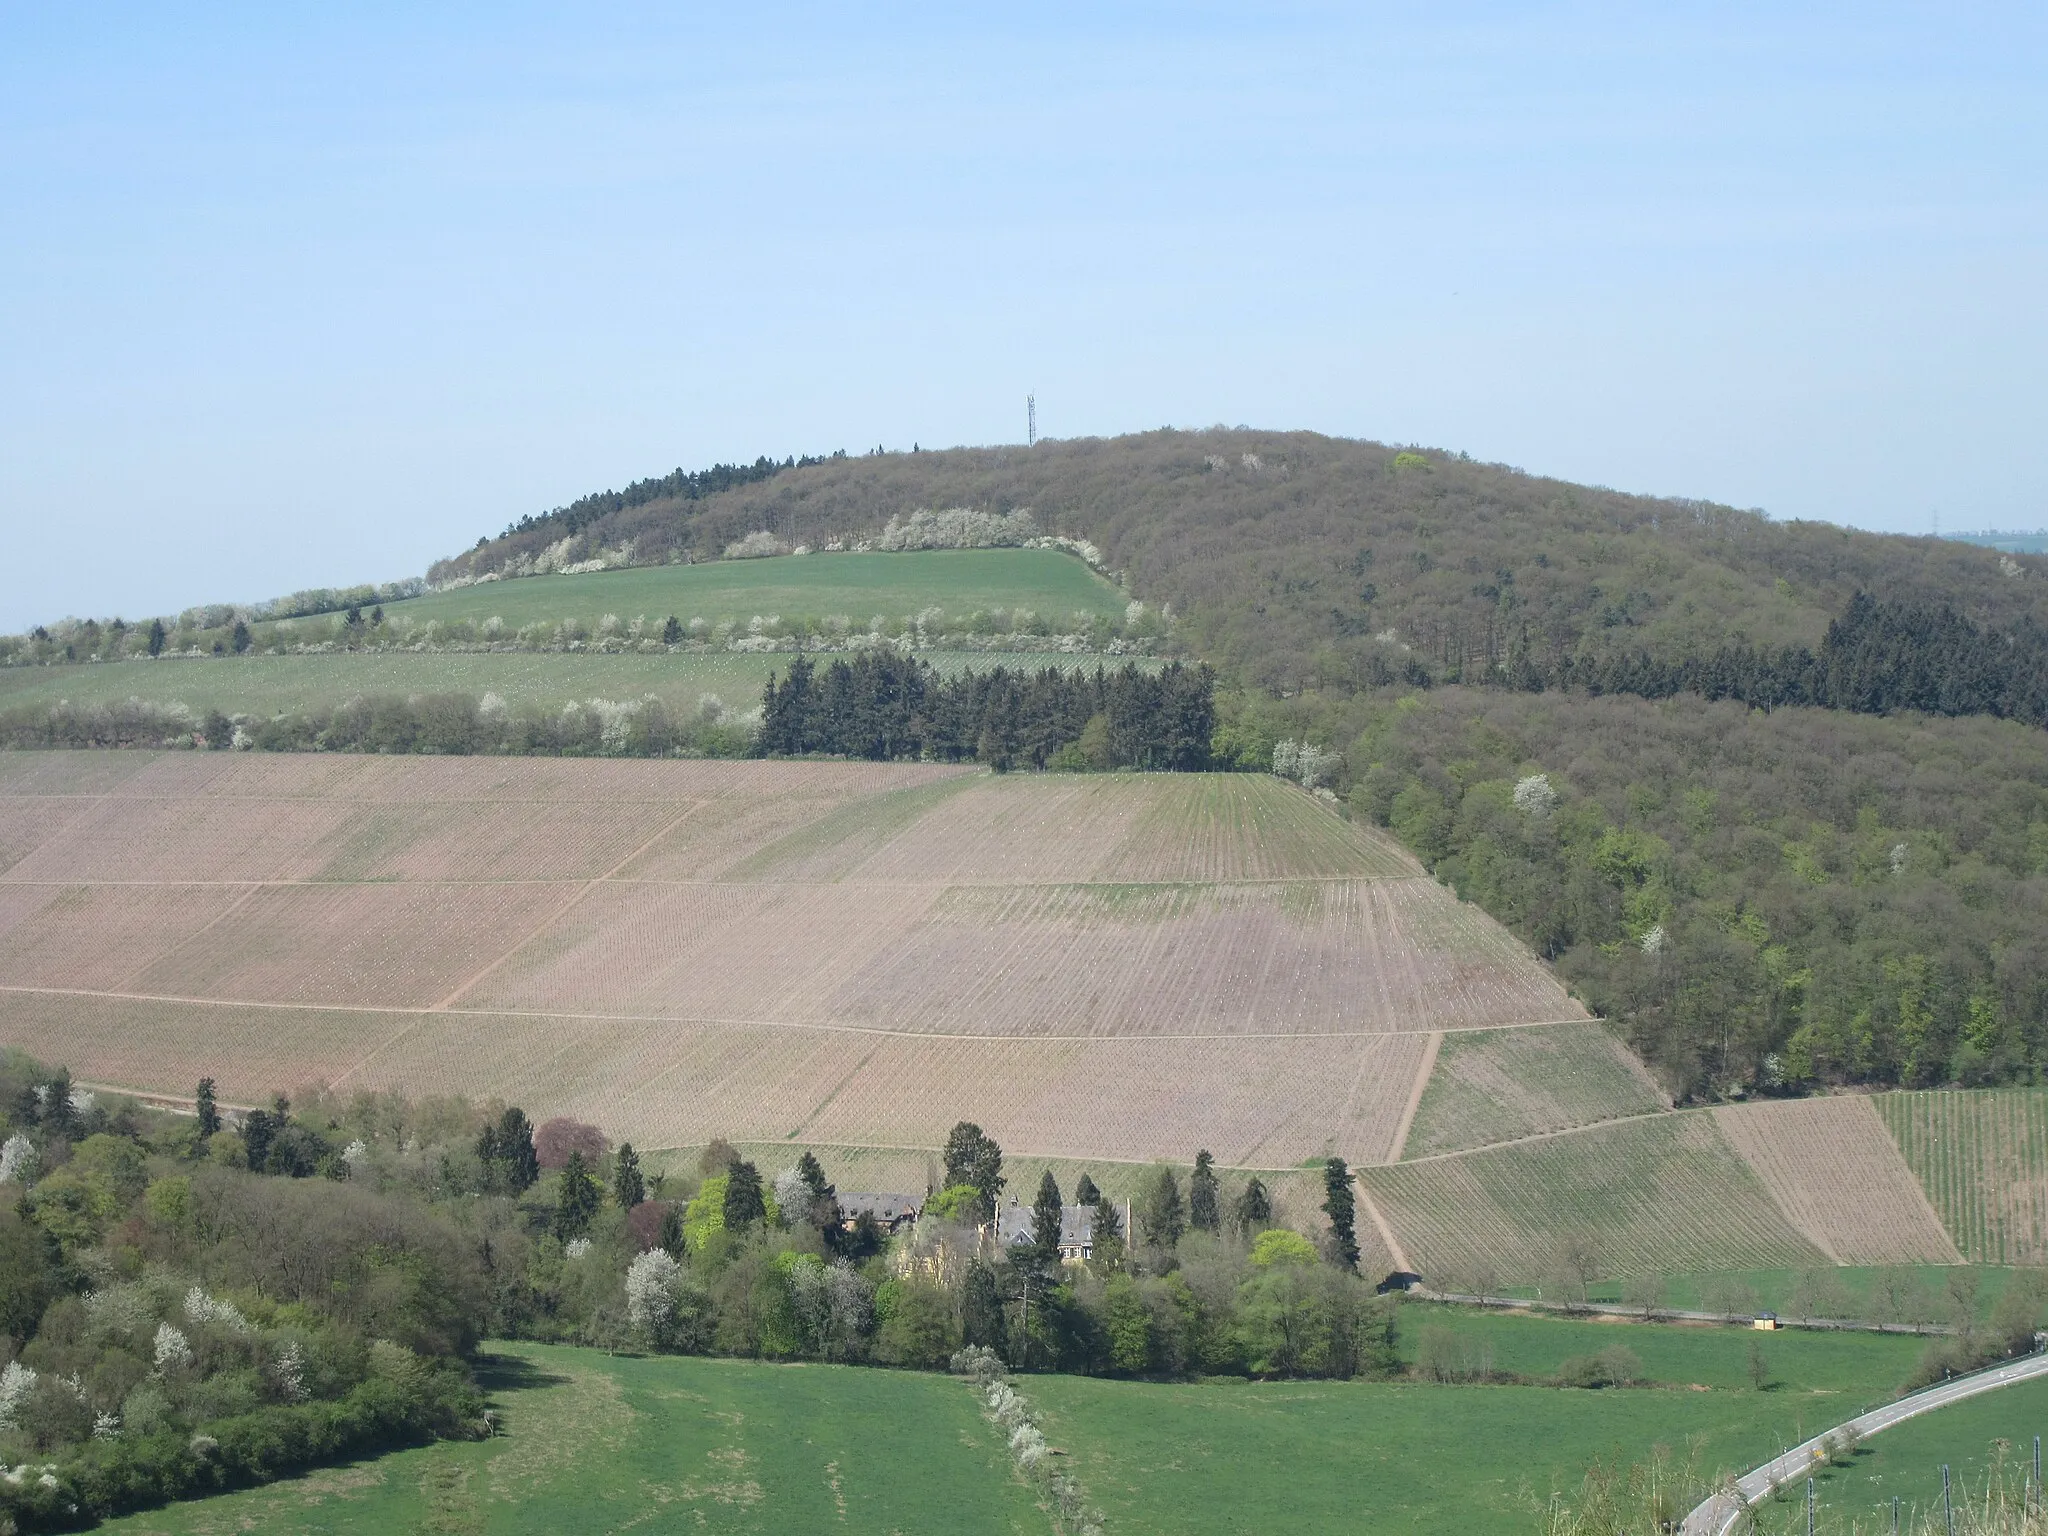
(1031, 421)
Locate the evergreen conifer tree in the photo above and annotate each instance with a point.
(744, 1206)
(577, 1200)
(981, 1308)
(156, 637)
(1254, 1207)
(1162, 1213)
(515, 1150)
(1341, 1206)
(671, 1241)
(1047, 1216)
(1085, 1192)
(1202, 1189)
(972, 1157)
(629, 1188)
(206, 1108)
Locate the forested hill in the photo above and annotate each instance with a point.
(1288, 556)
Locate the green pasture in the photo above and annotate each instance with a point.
(1052, 584)
(1852, 1370)
(1860, 1286)
(596, 1443)
(269, 685)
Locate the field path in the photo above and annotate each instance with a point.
(1386, 1232)
(1399, 1143)
(1718, 1514)
(562, 911)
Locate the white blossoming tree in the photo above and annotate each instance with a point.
(18, 1160)
(651, 1282)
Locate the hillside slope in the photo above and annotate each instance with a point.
(1284, 554)
(1117, 967)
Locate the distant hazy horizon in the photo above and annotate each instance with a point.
(295, 300)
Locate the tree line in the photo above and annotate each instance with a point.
(196, 1302)
(1879, 657)
(884, 705)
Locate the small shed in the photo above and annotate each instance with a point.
(1765, 1322)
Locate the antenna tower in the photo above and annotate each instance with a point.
(1031, 421)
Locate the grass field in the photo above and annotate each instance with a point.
(1983, 1159)
(1057, 586)
(1496, 1085)
(1975, 1439)
(595, 1443)
(272, 685)
(600, 1444)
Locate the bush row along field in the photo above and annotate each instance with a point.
(1497, 1085)
(1254, 1103)
(602, 1442)
(1835, 1171)
(1055, 585)
(1983, 1160)
(264, 686)
(1643, 1196)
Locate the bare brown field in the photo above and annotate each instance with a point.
(1268, 1105)
(1840, 1179)
(1498, 1085)
(1032, 960)
(1118, 967)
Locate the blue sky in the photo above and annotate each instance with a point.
(293, 297)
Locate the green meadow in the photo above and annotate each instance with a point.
(269, 685)
(600, 1443)
(1055, 585)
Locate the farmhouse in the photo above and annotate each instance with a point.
(1077, 1230)
(893, 1213)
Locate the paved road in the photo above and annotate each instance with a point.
(1719, 1513)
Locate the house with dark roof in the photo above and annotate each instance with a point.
(1077, 1230)
(893, 1213)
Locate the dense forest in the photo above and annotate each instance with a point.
(1759, 901)
(196, 1302)
(882, 705)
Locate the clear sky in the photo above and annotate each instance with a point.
(295, 296)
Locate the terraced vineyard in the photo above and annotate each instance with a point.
(1838, 1177)
(1983, 1159)
(1496, 1085)
(1661, 1194)
(1115, 967)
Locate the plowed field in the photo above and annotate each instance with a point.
(1835, 1172)
(1116, 967)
